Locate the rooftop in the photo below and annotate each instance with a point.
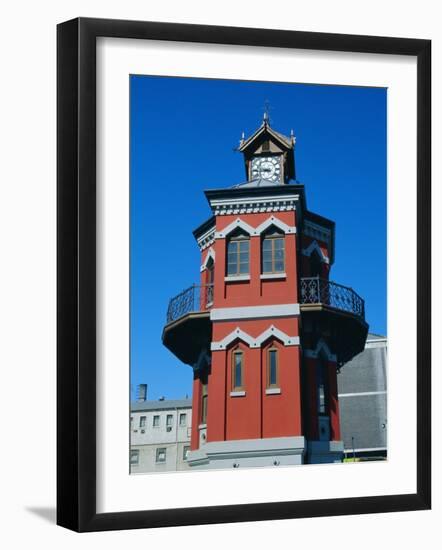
(157, 405)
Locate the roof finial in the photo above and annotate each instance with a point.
(266, 117)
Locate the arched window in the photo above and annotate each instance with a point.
(238, 254)
(210, 276)
(237, 370)
(272, 368)
(273, 251)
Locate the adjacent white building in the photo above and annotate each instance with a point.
(160, 435)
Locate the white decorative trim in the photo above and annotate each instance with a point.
(252, 205)
(254, 312)
(266, 276)
(277, 223)
(257, 231)
(320, 348)
(238, 223)
(254, 342)
(230, 278)
(206, 239)
(315, 246)
(210, 254)
(241, 393)
(273, 391)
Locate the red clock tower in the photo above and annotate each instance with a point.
(265, 330)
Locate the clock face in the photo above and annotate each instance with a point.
(267, 168)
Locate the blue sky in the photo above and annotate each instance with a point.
(183, 135)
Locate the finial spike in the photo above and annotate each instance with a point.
(266, 117)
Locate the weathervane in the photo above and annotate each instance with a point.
(266, 117)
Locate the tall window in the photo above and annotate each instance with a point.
(156, 421)
(322, 403)
(237, 370)
(142, 421)
(273, 252)
(204, 398)
(210, 279)
(183, 419)
(238, 254)
(272, 368)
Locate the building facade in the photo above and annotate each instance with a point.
(265, 330)
(160, 435)
(362, 392)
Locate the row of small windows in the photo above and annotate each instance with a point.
(238, 366)
(238, 380)
(160, 455)
(169, 420)
(272, 253)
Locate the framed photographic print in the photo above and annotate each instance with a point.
(243, 274)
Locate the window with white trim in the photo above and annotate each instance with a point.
(272, 368)
(238, 254)
(273, 251)
(237, 370)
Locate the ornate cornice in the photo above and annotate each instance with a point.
(206, 239)
(223, 207)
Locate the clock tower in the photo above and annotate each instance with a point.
(265, 330)
(269, 155)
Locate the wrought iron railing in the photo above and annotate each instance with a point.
(320, 291)
(194, 298)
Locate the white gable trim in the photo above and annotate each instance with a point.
(255, 232)
(321, 348)
(255, 342)
(282, 336)
(315, 246)
(210, 254)
(272, 220)
(238, 223)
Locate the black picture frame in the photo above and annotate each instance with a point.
(76, 273)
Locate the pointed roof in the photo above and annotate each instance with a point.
(287, 142)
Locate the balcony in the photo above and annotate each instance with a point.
(193, 299)
(327, 309)
(336, 311)
(321, 291)
(188, 328)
